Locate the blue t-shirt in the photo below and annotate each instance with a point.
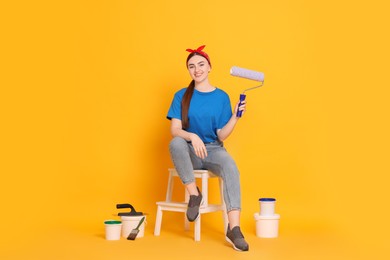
(208, 112)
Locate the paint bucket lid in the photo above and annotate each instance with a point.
(132, 218)
(112, 222)
(267, 199)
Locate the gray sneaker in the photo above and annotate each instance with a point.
(193, 206)
(236, 238)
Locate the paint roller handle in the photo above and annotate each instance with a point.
(239, 112)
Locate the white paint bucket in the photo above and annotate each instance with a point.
(131, 222)
(113, 229)
(267, 226)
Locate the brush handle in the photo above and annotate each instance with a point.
(242, 98)
(139, 224)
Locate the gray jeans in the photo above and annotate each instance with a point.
(218, 161)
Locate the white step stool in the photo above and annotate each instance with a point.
(169, 205)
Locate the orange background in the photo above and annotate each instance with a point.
(86, 85)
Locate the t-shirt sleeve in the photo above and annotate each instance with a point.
(226, 113)
(175, 108)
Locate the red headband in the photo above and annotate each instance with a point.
(201, 52)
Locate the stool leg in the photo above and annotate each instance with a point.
(205, 190)
(157, 227)
(169, 188)
(225, 218)
(186, 223)
(224, 212)
(197, 229)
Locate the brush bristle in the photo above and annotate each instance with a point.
(133, 234)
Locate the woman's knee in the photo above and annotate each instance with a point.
(178, 143)
(231, 166)
(227, 164)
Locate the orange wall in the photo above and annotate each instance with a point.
(86, 87)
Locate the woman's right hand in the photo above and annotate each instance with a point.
(199, 147)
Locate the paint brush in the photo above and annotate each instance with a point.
(133, 234)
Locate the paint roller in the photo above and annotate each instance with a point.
(247, 74)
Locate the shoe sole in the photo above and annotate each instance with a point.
(236, 248)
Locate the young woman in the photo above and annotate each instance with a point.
(201, 119)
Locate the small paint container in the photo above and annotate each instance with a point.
(113, 229)
(267, 206)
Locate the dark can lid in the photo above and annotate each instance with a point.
(267, 199)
